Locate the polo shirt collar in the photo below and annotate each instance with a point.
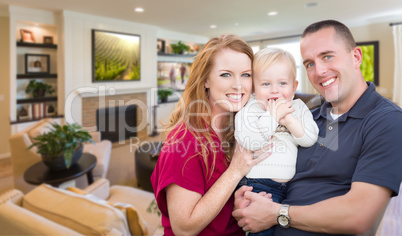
(360, 109)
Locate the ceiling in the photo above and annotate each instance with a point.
(244, 18)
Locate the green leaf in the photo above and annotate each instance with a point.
(61, 140)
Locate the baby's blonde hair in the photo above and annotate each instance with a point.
(267, 57)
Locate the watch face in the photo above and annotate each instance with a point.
(283, 221)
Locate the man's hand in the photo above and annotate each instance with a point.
(259, 214)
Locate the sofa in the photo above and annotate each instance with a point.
(311, 100)
(22, 157)
(95, 210)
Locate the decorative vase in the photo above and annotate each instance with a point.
(58, 162)
(40, 93)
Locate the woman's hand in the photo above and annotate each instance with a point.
(243, 160)
(260, 213)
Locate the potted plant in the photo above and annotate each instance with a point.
(163, 94)
(62, 146)
(38, 89)
(179, 48)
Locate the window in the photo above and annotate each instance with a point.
(255, 48)
(292, 45)
(294, 49)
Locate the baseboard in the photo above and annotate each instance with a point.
(5, 155)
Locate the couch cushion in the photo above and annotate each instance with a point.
(15, 220)
(76, 212)
(135, 222)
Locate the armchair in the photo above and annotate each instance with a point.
(22, 158)
(52, 211)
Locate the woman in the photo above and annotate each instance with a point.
(198, 168)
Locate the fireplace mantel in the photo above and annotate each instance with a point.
(92, 101)
(95, 91)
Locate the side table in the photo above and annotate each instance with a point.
(144, 164)
(39, 173)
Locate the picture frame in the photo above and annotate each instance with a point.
(47, 39)
(370, 62)
(24, 112)
(37, 64)
(161, 46)
(115, 56)
(27, 36)
(50, 110)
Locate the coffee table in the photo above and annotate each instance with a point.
(39, 173)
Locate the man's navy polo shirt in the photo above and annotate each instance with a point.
(364, 145)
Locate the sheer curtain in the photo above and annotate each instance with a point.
(391, 222)
(397, 94)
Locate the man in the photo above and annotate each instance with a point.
(182, 72)
(344, 182)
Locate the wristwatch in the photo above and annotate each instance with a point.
(283, 217)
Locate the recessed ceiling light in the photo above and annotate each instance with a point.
(272, 13)
(139, 9)
(311, 4)
(212, 26)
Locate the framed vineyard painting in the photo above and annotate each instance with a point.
(115, 56)
(369, 66)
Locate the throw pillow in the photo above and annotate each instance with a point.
(136, 224)
(76, 190)
(76, 212)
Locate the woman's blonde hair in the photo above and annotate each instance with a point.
(267, 57)
(193, 111)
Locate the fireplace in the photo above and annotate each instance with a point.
(117, 123)
(91, 104)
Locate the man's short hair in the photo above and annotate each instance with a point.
(342, 31)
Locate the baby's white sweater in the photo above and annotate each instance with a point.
(255, 126)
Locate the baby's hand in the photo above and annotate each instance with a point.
(287, 119)
(279, 108)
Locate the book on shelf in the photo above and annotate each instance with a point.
(38, 110)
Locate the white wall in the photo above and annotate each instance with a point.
(4, 88)
(77, 42)
(176, 36)
(381, 32)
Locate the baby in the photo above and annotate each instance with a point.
(274, 117)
